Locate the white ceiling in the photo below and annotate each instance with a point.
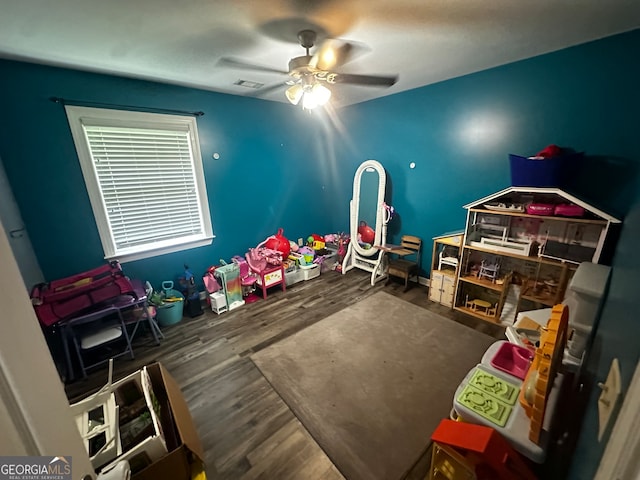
(181, 41)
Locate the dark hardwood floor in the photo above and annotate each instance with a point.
(246, 429)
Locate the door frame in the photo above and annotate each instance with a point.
(33, 404)
(620, 458)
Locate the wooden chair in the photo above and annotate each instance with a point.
(405, 261)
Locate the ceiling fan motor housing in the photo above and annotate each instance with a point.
(307, 38)
(299, 65)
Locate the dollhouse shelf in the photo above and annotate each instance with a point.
(529, 258)
(477, 314)
(536, 255)
(593, 221)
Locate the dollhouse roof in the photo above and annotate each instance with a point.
(556, 195)
(455, 233)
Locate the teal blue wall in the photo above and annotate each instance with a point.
(276, 168)
(459, 133)
(299, 170)
(615, 134)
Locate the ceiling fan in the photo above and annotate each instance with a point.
(309, 73)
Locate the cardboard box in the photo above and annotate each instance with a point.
(183, 442)
(167, 450)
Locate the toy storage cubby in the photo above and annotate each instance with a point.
(445, 260)
(521, 248)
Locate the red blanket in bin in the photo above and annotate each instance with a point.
(68, 297)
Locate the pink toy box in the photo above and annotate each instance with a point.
(568, 210)
(540, 209)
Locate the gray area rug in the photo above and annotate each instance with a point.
(372, 382)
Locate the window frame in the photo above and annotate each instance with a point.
(78, 116)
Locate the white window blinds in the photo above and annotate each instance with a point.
(145, 177)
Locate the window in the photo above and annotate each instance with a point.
(144, 176)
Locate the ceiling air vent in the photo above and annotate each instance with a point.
(249, 84)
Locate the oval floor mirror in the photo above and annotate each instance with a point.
(367, 222)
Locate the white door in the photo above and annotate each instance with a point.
(11, 220)
(35, 418)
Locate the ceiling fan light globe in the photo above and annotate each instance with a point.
(294, 94)
(321, 94)
(309, 101)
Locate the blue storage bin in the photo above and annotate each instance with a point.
(545, 172)
(170, 313)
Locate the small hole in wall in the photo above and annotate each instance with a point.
(412, 165)
(216, 156)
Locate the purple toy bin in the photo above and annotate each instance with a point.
(513, 359)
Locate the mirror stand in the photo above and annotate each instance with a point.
(367, 208)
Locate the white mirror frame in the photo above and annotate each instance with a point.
(369, 259)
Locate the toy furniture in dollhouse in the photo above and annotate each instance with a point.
(405, 261)
(482, 306)
(489, 269)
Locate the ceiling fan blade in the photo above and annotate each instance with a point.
(242, 65)
(268, 89)
(332, 53)
(370, 80)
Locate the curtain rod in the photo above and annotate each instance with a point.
(79, 103)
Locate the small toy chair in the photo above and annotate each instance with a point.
(489, 270)
(401, 266)
(248, 279)
(444, 259)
